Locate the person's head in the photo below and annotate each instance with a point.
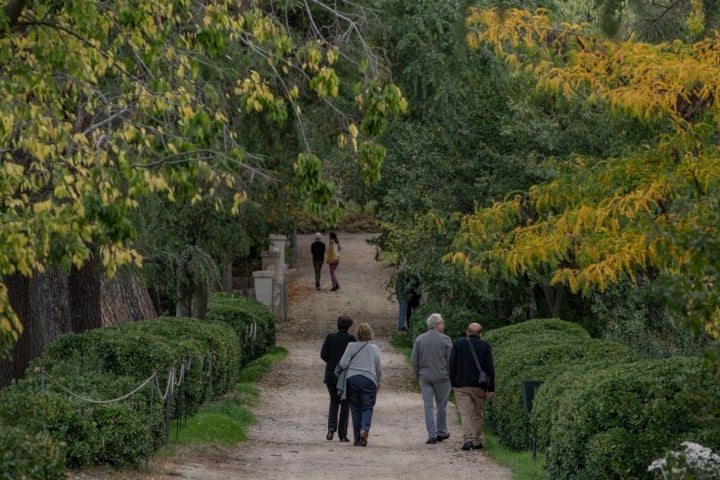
(475, 329)
(318, 236)
(343, 323)
(435, 321)
(333, 236)
(364, 332)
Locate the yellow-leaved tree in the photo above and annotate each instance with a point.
(657, 207)
(104, 102)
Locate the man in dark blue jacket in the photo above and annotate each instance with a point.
(332, 351)
(470, 396)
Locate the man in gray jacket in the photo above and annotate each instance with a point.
(430, 358)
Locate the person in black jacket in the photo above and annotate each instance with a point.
(331, 352)
(470, 396)
(317, 249)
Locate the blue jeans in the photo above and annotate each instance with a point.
(402, 313)
(361, 395)
(435, 415)
(335, 405)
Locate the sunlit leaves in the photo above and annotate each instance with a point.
(602, 218)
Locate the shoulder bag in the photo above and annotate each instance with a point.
(482, 376)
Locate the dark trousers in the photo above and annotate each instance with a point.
(317, 265)
(361, 395)
(337, 405)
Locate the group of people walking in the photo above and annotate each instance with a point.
(318, 249)
(353, 374)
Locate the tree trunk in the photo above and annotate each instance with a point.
(41, 302)
(227, 276)
(84, 290)
(125, 299)
(200, 303)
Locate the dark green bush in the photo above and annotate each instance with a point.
(611, 421)
(29, 457)
(109, 363)
(540, 350)
(92, 433)
(253, 322)
(456, 319)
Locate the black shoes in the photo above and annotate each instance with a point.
(440, 438)
(431, 441)
(344, 439)
(329, 435)
(363, 438)
(471, 446)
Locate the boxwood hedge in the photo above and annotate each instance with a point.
(108, 363)
(610, 421)
(537, 351)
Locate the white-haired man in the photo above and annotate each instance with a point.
(430, 359)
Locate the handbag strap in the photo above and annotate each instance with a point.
(472, 350)
(353, 356)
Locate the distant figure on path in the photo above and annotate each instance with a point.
(470, 396)
(317, 248)
(430, 359)
(333, 259)
(331, 352)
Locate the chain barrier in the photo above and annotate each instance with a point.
(174, 383)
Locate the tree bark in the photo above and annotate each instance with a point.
(125, 299)
(84, 290)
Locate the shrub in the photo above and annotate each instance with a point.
(29, 457)
(610, 421)
(540, 350)
(253, 322)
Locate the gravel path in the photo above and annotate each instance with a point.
(288, 440)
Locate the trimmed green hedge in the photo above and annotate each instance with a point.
(603, 412)
(109, 363)
(253, 322)
(27, 457)
(610, 421)
(536, 350)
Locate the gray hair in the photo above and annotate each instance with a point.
(434, 319)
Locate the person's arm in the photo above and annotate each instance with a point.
(415, 360)
(324, 351)
(452, 367)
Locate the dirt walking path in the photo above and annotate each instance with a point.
(288, 440)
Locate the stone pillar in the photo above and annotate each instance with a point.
(278, 244)
(264, 281)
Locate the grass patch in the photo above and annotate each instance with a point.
(226, 421)
(523, 466)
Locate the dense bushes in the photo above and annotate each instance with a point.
(185, 361)
(28, 457)
(602, 412)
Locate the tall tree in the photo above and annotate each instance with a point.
(653, 207)
(103, 103)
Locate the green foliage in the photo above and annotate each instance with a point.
(108, 363)
(29, 457)
(252, 322)
(536, 350)
(610, 420)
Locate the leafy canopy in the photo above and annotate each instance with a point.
(652, 208)
(103, 103)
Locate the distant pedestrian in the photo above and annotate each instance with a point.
(470, 396)
(333, 259)
(362, 362)
(317, 248)
(430, 364)
(331, 352)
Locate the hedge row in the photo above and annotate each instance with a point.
(602, 411)
(108, 363)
